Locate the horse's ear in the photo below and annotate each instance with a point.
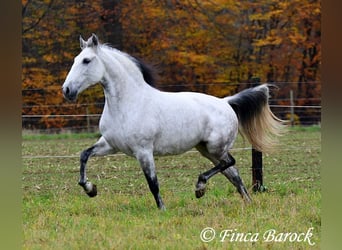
(94, 40)
(83, 43)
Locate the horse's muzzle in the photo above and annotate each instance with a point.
(69, 94)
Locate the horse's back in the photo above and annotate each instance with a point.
(192, 105)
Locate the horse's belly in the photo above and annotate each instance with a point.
(178, 138)
(172, 147)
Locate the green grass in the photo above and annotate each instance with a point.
(34, 136)
(57, 214)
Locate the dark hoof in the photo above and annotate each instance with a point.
(89, 188)
(200, 190)
(93, 192)
(199, 193)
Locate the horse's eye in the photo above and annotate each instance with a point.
(86, 60)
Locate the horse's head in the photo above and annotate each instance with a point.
(87, 69)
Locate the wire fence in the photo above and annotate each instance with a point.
(302, 115)
(301, 109)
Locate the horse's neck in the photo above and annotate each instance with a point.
(121, 90)
(123, 81)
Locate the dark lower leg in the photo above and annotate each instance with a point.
(88, 187)
(233, 176)
(154, 187)
(204, 177)
(147, 165)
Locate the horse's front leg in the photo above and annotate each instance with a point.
(147, 164)
(100, 148)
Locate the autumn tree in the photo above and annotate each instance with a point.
(205, 46)
(50, 34)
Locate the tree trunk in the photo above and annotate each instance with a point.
(111, 22)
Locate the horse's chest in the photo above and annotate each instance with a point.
(117, 133)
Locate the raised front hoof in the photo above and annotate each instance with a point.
(93, 192)
(200, 190)
(89, 188)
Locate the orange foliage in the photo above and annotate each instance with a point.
(197, 45)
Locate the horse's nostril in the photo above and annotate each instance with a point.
(69, 94)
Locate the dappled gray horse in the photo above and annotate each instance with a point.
(142, 121)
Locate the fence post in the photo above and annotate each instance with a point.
(291, 108)
(257, 175)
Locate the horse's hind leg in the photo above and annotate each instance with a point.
(226, 167)
(204, 177)
(233, 176)
(100, 148)
(220, 165)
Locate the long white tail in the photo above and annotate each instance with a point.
(256, 120)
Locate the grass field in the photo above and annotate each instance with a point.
(57, 214)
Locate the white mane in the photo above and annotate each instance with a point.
(115, 58)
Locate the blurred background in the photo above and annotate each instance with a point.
(215, 47)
